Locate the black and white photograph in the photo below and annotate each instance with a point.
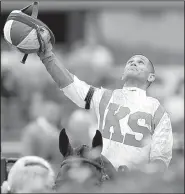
(92, 96)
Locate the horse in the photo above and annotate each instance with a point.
(83, 167)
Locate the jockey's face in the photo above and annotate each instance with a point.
(138, 67)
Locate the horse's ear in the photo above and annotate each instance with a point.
(97, 141)
(64, 144)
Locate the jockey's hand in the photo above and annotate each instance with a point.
(46, 44)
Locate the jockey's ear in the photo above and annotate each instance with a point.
(64, 144)
(97, 141)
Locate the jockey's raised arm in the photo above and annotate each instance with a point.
(78, 91)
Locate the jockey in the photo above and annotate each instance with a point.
(136, 128)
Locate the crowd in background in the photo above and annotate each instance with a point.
(34, 110)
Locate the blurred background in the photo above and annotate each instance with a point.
(94, 39)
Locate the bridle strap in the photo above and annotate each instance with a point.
(71, 160)
(104, 176)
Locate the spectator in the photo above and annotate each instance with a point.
(175, 104)
(40, 137)
(79, 125)
(29, 174)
